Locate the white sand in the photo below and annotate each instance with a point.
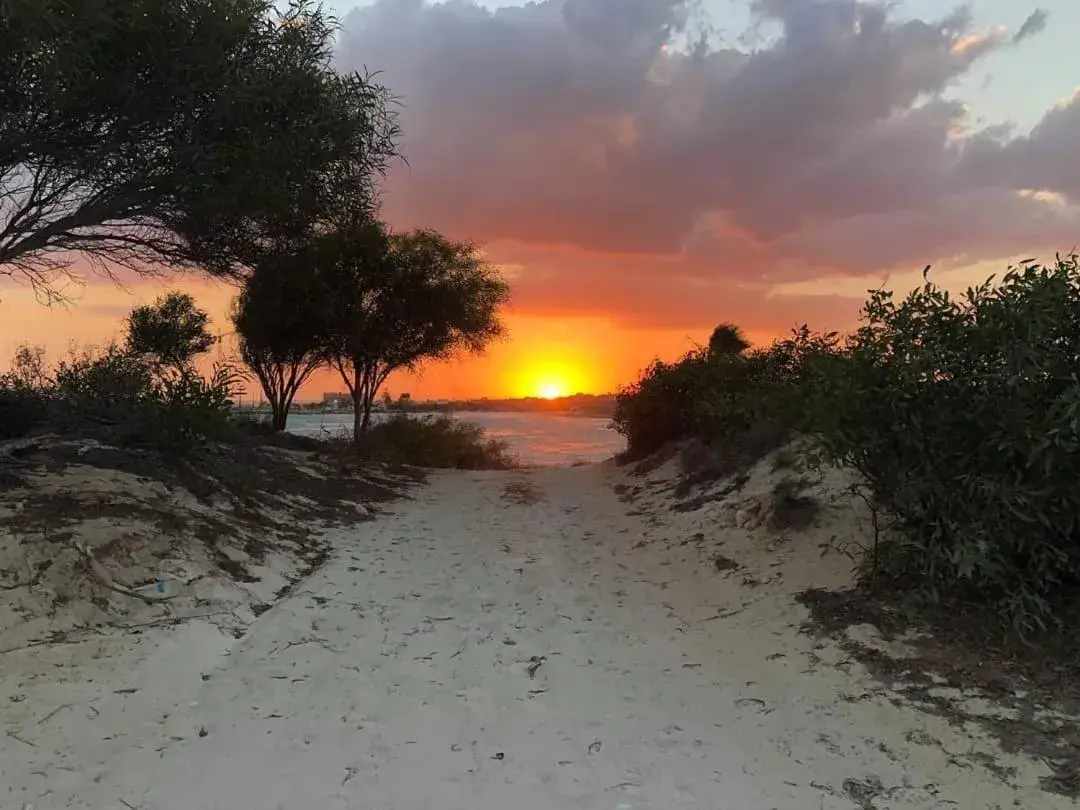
(474, 652)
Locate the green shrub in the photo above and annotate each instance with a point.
(119, 396)
(434, 441)
(740, 403)
(109, 384)
(186, 409)
(25, 394)
(659, 407)
(963, 415)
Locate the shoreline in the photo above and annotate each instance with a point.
(453, 412)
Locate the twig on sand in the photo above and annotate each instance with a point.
(98, 572)
(24, 741)
(170, 620)
(53, 638)
(460, 649)
(55, 712)
(322, 642)
(724, 614)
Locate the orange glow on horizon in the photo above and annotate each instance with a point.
(551, 377)
(549, 354)
(546, 356)
(552, 391)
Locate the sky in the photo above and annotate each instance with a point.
(644, 169)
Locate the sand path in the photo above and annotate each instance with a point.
(496, 644)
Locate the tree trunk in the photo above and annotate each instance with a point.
(358, 420)
(358, 407)
(279, 415)
(367, 415)
(365, 384)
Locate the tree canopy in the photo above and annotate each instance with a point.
(405, 299)
(281, 321)
(201, 133)
(727, 340)
(366, 302)
(172, 331)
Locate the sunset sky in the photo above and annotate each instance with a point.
(642, 169)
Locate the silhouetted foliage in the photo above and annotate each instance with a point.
(154, 133)
(434, 441)
(400, 301)
(718, 395)
(727, 339)
(24, 393)
(171, 332)
(281, 320)
(129, 394)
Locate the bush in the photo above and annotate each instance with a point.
(22, 411)
(964, 418)
(187, 409)
(659, 407)
(741, 404)
(107, 385)
(24, 394)
(434, 441)
(119, 396)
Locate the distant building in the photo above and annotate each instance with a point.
(336, 400)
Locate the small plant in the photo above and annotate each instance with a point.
(434, 441)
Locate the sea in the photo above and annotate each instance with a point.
(537, 439)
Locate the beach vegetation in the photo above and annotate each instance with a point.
(144, 392)
(434, 441)
(961, 415)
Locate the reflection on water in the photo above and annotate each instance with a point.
(536, 438)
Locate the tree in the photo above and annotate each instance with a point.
(402, 300)
(28, 371)
(280, 319)
(727, 340)
(154, 133)
(172, 331)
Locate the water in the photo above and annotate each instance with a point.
(535, 438)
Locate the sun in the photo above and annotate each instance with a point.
(550, 390)
(547, 378)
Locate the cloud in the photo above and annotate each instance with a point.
(655, 156)
(1033, 25)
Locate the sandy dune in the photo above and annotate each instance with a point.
(530, 640)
